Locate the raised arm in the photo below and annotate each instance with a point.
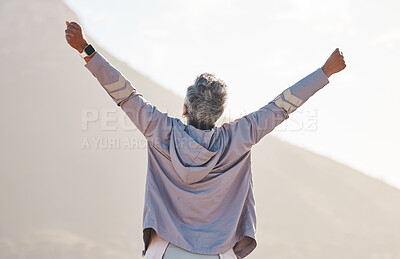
(153, 124)
(249, 129)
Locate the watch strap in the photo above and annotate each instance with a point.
(83, 54)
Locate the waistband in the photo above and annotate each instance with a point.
(160, 248)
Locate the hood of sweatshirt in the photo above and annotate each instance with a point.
(194, 152)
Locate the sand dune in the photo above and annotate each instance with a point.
(62, 199)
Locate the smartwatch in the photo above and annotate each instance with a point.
(87, 51)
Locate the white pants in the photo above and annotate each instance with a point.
(160, 248)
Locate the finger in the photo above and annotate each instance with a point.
(67, 23)
(69, 31)
(75, 27)
(71, 28)
(75, 24)
(67, 37)
(69, 34)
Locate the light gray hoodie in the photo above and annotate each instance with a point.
(199, 189)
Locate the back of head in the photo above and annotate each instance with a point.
(205, 101)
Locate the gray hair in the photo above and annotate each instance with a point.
(205, 101)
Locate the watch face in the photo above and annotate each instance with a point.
(89, 49)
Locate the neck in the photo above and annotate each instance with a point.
(200, 125)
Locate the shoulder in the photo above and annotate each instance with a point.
(177, 123)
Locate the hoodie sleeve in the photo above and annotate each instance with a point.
(249, 129)
(153, 124)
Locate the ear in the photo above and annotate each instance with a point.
(185, 113)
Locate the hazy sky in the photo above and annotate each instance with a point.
(259, 48)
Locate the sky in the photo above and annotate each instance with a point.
(260, 48)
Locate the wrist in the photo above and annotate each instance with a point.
(326, 71)
(81, 46)
(88, 58)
